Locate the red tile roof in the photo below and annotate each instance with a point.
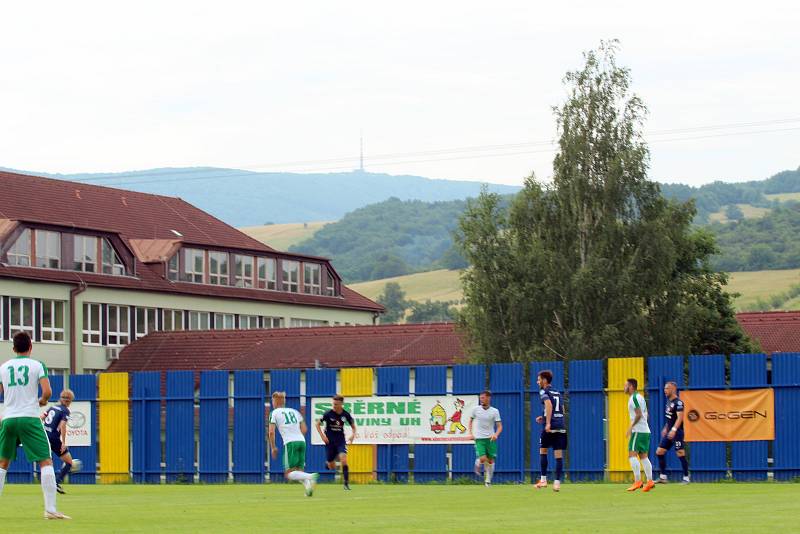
(145, 223)
(284, 348)
(777, 331)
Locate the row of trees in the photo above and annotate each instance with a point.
(399, 308)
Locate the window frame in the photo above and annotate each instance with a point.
(118, 334)
(173, 313)
(115, 266)
(174, 274)
(266, 282)
(87, 314)
(222, 317)
(146, 322)
(240, 277)
(309, 287)
(217, 277)
(199, 315)
(245, 320)
(21, 326)
(192, 275)
(269, 322)
(16, 254)
(286, 283)
(296, 322)
(52, 331)
(76, 238)
(42, 249)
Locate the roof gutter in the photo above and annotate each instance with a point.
(73, 336)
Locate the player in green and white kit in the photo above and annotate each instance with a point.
(21, 378)
(638, 437)
(292, 427)
(485, 435)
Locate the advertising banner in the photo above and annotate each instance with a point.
(79, 426)
(729, 415)
(397, 420)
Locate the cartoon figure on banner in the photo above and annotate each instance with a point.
(455, 419)
(438, 418)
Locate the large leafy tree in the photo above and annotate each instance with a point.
(597, 263)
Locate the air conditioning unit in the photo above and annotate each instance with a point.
(112, 353)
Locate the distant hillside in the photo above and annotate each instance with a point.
(245, 198)
(283, 236)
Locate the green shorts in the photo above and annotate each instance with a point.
(639, 442)
(486, 447)
(28, 431)
(294, 455)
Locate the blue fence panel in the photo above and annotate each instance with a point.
(467, 380)
(430, 461)
(85, 389)
(147, 427)
(214, 459)
(749, 458)
(587, 407)
(660, 370)
(248, 426)
(557, 368)
(506, 381)
(179, 428)
(786, 381)
(287, 380)
(707, 461)
(319, 383)
(393, 459)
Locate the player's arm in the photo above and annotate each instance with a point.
(62, 429)
(44, 382)
(318, 425)
(303, 427)
(677, 425)
(471, 418)
(272, 446)
(499, 429)
(548, 414)
(636, 418)
(353, 428)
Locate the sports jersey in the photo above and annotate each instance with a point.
(557, 417)
(637, 401)
(334, 425)
(673, 407)
(485, 419)
(55, 414)
(287, 421)
(20, 378)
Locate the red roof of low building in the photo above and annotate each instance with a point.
(777, 331)
(295, 348)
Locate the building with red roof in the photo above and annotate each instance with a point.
(777, 331)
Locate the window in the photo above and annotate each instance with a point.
(224, 321)
(199, 320)
(173, 320)
(330, 285)
(52, 320)
(119, 332)
(266, 273)
(85, 253)
(273, 322)
(48, 249)
(312, 273)
(111, 262)
(145, 321)
(243, 270)
(194, 267)
(248, 322)
(20, 251)
(218, 268)
(21, 317)
(172, 268)
(291, 275)
(307, 323)
(91, 324)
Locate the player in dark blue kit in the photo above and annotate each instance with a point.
(55, 425)
(554, 433)
(335, 442)
(672, 434)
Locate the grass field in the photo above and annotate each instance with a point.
(749, 211)
(763, 284)
(282, 236)
(783, 197)
(430, 509)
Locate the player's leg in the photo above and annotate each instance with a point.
(544, 445)
(331, 452)
(345, 468)
(66, 457)
(661, 455)
(37, 449)
(8, 449)
(680, 450)
(633, 458)
(491, 456)
(480, 455)
(558, 452)
(643, 447)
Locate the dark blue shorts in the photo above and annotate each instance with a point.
(55, 446)
(553, 440)
(678, 443)
(334, 449)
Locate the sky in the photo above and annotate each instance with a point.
(452, 90)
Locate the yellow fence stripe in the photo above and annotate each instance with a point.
(619, 370)
(113, 439)
(357, 382)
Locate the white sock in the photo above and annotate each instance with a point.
(299, 476)
(543, 478)
(489, 472)
(478, 464)
(48, 476)
(2, 479)
(648, 468)
(637, 469)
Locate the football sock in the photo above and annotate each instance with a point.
(559, 468)
(64, 471)
(48, 476)
(648, 468)
(543, 465)
(636, 467)
(478, 464)
(2, 479)
(684, 465)
(662, 465)
(346, 474)
(489, 472)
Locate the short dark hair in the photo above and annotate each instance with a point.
(634, 383)
(547, 375)
(338, 397)
(22, 342)
(486, 392)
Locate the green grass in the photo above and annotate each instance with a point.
(748, 210)
(441, 285)
(763, 284)
(426, 509)
(283, 236)
(783, 197)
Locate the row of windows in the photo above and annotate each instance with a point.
(240, 270)
(24, 314)
(43, 248)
